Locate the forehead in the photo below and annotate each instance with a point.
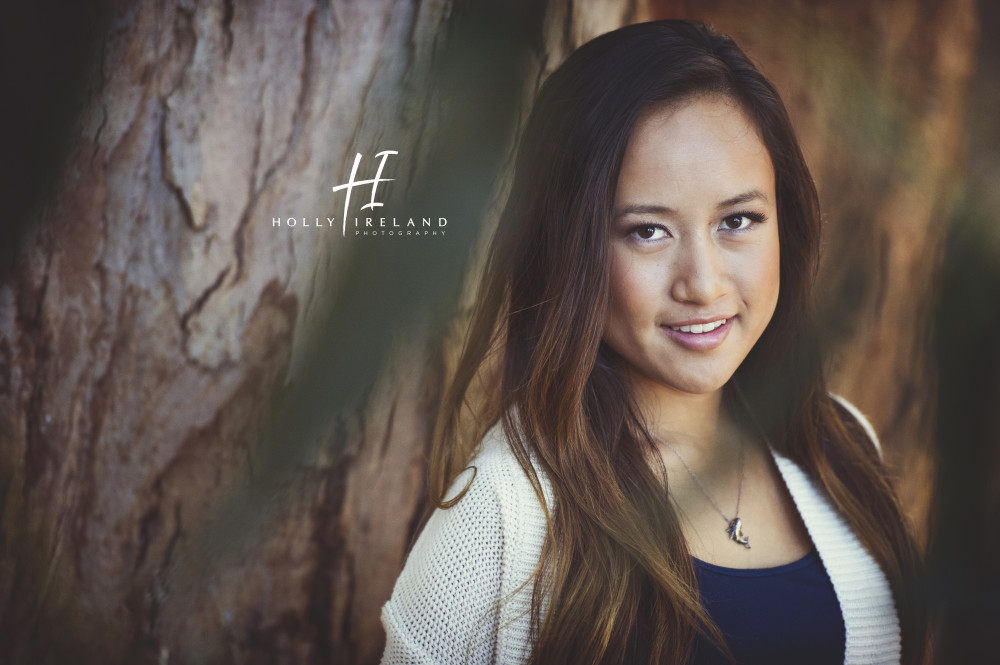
(705, 147)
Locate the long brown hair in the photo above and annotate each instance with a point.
(616, 579)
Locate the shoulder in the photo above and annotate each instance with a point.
(450, 600)
(860, 418)
(495, 478)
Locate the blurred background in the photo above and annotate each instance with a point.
(213, 429)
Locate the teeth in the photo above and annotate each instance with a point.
(699, 327)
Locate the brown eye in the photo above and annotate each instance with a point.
(648, 233)
(741, 221)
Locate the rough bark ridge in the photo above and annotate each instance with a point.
(153, 315)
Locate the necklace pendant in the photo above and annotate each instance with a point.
(735, 531)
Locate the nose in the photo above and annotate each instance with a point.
(699, 273)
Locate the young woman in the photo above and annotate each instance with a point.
(660, 475)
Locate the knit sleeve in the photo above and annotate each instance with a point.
(445, 605)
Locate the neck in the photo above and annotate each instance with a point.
(687, 420)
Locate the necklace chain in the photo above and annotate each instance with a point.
(739, 492)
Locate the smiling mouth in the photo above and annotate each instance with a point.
(699, 328)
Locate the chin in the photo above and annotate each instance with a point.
(703, 380)
(701, 388)
(693, 385)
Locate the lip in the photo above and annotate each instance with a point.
(691, 322)
(699, 341)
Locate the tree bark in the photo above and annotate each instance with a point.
(155, 313)
(156, 317)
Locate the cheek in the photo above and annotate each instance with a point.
(629, 301)
(772, 275)
(767, 278)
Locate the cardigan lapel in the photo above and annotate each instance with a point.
(866, 603)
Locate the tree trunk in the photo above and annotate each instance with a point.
(154, 317)
(157, 317)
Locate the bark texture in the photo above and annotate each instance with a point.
(155, 315)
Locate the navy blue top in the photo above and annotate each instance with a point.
(786, 614)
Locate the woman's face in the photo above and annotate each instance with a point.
(695, 260)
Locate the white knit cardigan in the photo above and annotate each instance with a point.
(464, 596)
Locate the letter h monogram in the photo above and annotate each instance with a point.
(350, 184)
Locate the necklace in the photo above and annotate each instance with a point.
(735, 525)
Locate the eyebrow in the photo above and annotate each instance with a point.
(745, 197)
(636, 209)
